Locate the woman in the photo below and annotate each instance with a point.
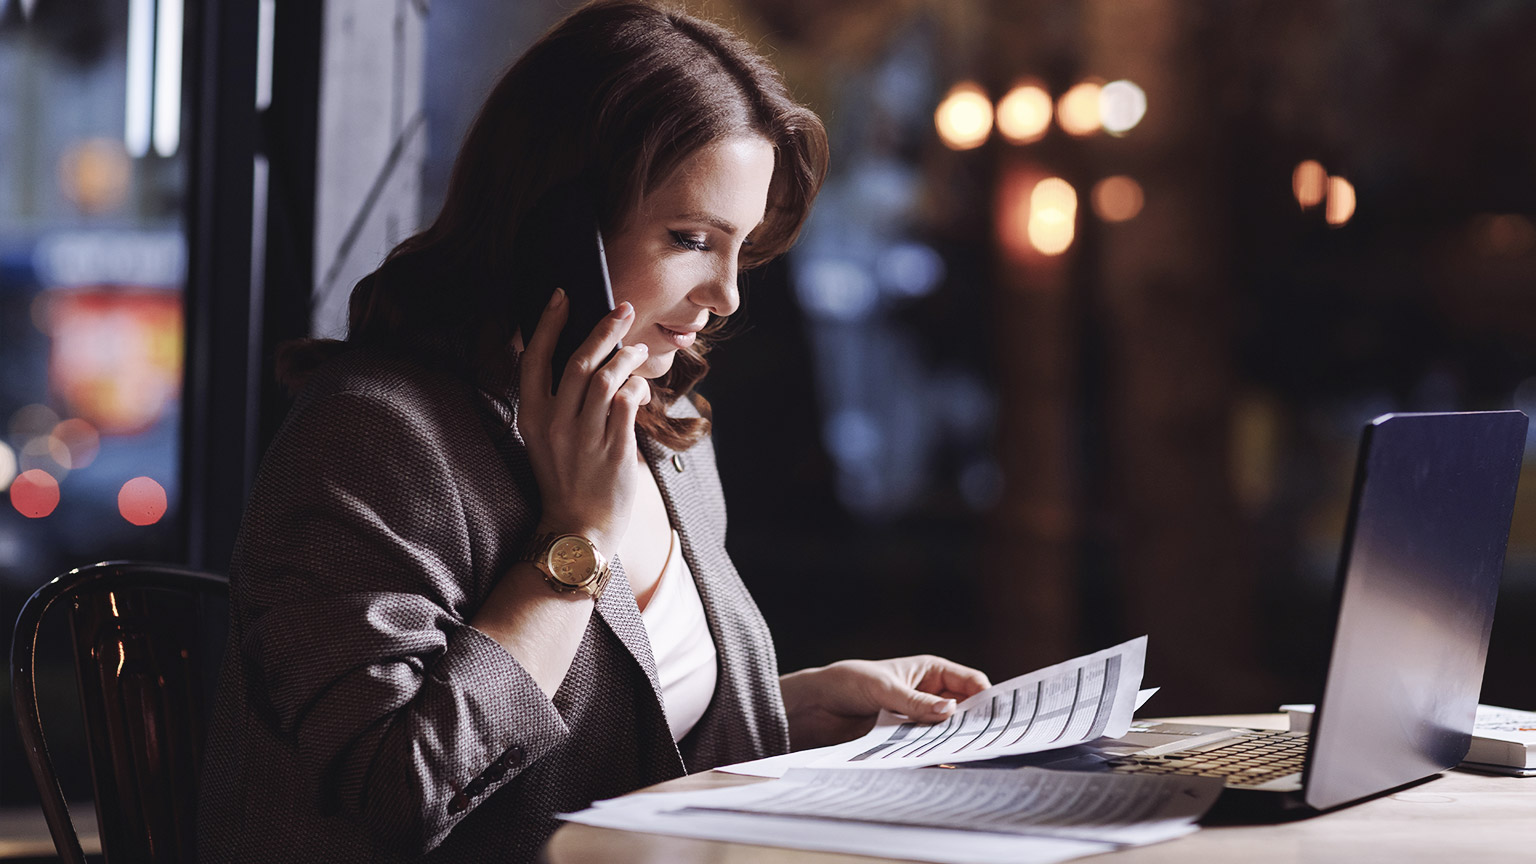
(413, 669)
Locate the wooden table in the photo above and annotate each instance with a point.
(1459, 817)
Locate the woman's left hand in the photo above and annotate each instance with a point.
(837, 703)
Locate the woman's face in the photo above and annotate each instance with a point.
(676, 259)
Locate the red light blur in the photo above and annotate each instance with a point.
(141, 501)
(35, 493)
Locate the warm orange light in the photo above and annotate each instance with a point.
(35, 493)
(94, 174)
(1341, 201)
(80, 439)
(1117, 199)
(141, 501)
(1509, 235)
(1011, 212)
(964, 118)
(1078, 110)
(1052, 216)
(1024, 114)
(1309, 183)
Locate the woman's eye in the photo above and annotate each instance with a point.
(691, 242)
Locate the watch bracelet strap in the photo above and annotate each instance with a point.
(538, 547)
(537, 551)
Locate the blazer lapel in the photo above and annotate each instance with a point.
(689, 508)
(618, 610)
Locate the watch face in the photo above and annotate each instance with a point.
(571, 561)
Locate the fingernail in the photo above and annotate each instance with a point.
(626, 310)
(947, 706)
(641, 347)
(557, 298)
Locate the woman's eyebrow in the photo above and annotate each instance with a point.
(711, 219)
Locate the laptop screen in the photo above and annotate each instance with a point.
(1419, 577)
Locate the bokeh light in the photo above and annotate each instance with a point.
(964, 118)
(1507, 235)
(32, 420)
(1078, 110)
(1117, 199)
(80, 439)
(35, 494)
(1011, 211)
(1122, 104)
(94, 174)
(7, 466)
(47, 453)
(1024, 114)
(41, 309)
(141, 501)
(1341, 201)
(1052, 216)
(1309, 183)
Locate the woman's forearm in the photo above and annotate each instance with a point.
(540, 627)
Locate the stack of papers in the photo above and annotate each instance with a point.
(1028, 816)
(829, 800)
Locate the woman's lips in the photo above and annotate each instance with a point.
(681, 339)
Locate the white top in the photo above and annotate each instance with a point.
(681, 644)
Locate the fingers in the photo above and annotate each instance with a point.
(635, 393)
(962, 681)
(934, 685)
(943, 677)
(615, 392)
(920, 706)
(539, 347)
(590, 357)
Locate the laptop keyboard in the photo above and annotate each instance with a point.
(1253, 759)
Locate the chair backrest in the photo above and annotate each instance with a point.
(143, 681)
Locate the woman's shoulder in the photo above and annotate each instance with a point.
(366, 391)
(395, 377)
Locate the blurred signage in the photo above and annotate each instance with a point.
(116, 355)
(113, 309)
(151, 259)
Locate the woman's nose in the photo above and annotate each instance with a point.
(721, 294)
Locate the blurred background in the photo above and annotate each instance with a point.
(1077, 345)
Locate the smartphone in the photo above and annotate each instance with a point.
(561, 246)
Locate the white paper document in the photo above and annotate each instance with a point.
(1115, 808)
(1070, 703)
(1024, 816)
(776, 766)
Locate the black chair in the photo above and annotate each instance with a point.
(144, 678)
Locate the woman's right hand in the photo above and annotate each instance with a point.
(581, 440)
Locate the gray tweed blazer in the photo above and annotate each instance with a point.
(360, 718)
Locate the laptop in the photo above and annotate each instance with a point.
(1419, 572)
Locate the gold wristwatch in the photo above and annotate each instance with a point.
(569, 563)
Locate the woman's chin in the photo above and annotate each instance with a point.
(657, 365)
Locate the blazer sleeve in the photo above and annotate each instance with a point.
(357, 577)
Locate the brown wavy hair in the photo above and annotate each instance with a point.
(618, 94)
